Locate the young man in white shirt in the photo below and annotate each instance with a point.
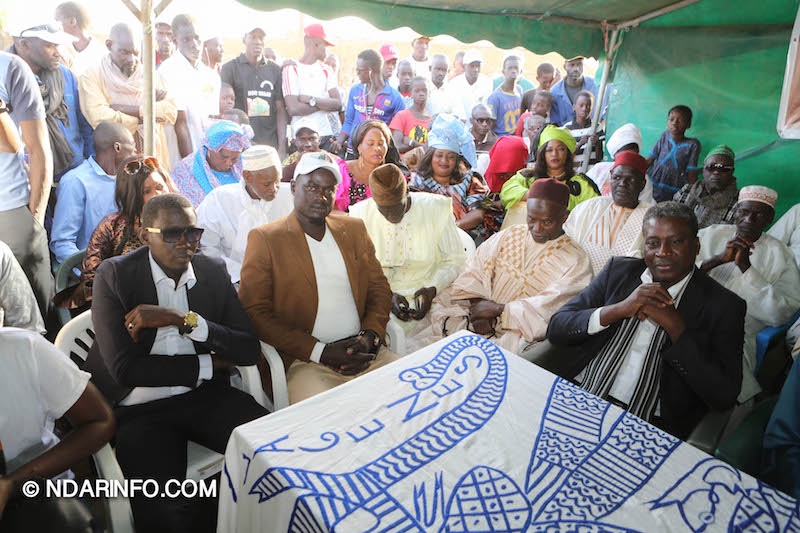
(309, 88)
(470, 88)
(193, 85)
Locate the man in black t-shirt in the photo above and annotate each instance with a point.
(257, 84)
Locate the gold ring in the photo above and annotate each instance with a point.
(130, 326)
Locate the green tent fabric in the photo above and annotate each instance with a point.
(725, 61)
(731, 78)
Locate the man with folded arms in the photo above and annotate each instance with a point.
(314, 289)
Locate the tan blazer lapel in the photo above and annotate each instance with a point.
(296, 241)
(348, 249)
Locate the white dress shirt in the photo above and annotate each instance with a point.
(628, 375)
(228, 214)
(168, 340)
(465, 96)
(337, 315)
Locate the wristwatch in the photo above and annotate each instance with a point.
(5, 107)
(189, 323)
(312, 102)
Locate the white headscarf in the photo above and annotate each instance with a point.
(624, 135)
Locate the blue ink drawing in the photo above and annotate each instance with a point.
(706, 494)
(579, 475)
(335, 502)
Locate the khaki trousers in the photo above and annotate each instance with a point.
(305, 380)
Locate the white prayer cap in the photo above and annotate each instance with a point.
(757, 193)
(311, 161)
(471, 56)
(624, 135)
(259, 157)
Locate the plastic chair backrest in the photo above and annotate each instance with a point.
(66, 277)
(469, 244)
(77, 336)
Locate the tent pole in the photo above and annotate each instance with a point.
(148, 63)
(657, 13)
(601, 92)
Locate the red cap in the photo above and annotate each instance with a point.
(389, 52)
(631, 159)
(318, 32)
(550, 189)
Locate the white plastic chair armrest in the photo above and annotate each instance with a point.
(280, 391)
(118, 510)
(252, 385)
(397, 337)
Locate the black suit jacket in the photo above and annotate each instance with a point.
(702, 371)
(118, 364)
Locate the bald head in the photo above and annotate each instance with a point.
(124, 48)
(113, 144)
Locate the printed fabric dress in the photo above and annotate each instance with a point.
(673, 161)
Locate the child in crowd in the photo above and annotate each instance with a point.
(581, 126)
(673, 159)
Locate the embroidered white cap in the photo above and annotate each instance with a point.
(259, 157)
(311, 161)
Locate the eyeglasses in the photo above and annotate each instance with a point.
(719, 167)
(482, 120)
(173, 235)
(133, 167)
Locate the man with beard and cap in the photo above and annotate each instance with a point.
(314, 289)
(470, 88)
(713, 198)
(213, 52)
(193, 85)
(626, 138)
(166, 45)
(416, 242)
(655, 336)
(516, 280)
(229, 212)
(258, 86)
(756, 266)
(607, 226)
(113, 90)
(566, 91)
(70, 134)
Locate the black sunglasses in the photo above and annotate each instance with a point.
(719, 166)
(483, 120)
(173, 235)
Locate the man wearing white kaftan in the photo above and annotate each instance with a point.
(608, 226)
(423, 250)
(229, 212)
(770, 284)
(533, 281)
(604, 229)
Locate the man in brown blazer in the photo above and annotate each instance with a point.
(314, 289)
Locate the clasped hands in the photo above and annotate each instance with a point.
(352, 355)
(423, 299)
(651, 301)
(483, 315)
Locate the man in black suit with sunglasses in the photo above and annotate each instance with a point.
(169, 329)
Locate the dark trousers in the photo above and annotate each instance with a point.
(28, 241)
(151, 444)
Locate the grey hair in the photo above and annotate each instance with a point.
(669, 210)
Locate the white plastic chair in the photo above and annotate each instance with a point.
(280, 391)
(75, 339)
(469, 244)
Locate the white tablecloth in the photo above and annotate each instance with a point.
(462, 437)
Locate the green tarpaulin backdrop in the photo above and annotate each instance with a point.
(723, 59)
